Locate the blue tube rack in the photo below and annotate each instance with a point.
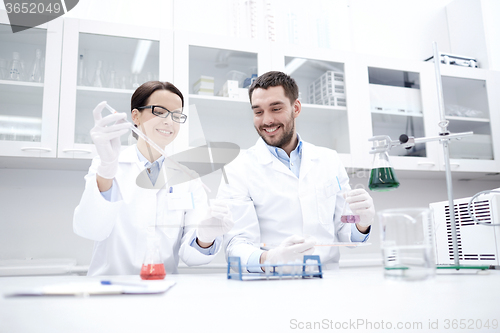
(309, 268)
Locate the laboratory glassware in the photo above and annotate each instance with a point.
(406, 237)
(98, 81)
(152, 266)
(112, 79)
(36, 70)
(82, 71)
(135, 81)
(382, 175)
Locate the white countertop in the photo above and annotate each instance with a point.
(211, 303)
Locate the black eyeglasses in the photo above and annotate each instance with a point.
(161, 112)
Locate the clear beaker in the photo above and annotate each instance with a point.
(407, 244)
(382, 175)
(152, 266)
(347, 216)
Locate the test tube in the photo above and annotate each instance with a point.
(346, 218)
(155, 146)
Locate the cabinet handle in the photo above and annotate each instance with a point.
(83, 151)
(36, 148)
(454, 164)
(427, 163)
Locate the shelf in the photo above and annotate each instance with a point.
(467, 119)
(106, 90)
(323, 107)
(398, 113)
(218, 99)
(20, 84)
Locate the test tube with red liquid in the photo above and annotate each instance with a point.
(345, 217)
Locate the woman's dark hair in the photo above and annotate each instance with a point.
(142, 94)
(275, 79)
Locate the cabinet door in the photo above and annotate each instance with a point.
(214, 74)
(327, 118)
(398, 99)
(104, 62)
(471, 104)
(29, 89)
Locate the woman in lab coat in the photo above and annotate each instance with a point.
(127, 198)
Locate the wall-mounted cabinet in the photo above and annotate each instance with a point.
(327, 97)
(472, 104)
(217, 72)
(52, 77)
(29, 89)
(399, 97)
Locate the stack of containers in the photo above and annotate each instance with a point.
(328, 89)
(204, 86)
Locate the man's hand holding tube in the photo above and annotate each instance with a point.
(361, 204)
(290, 250)
(219, 222)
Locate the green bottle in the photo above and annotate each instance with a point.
(382, 176)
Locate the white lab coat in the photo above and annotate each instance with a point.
(120, 229)
(269, 203)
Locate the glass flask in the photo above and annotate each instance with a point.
(36, 70)
(152, 266)
(382, 176)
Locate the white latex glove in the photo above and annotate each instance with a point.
(361, 204)
(220, 221)
(292, 249)
(106, 136)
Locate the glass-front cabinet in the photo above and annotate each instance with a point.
(103, 62)
(398, 97)
(215, 74)
(323, 79)
(472, 104)
(29, 89)
(53, 76)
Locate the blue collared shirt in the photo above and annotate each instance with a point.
(292, 162)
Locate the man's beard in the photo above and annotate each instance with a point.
(287, 136)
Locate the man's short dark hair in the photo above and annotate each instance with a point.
(275, 79)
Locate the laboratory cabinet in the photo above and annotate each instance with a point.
(52, 77)
(328, 98)
(105, 62)
(214, 74)
(472, 103)
(398, 97)
(29, 89)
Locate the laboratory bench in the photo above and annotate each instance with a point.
(350, 299)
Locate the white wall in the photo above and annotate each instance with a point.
(37, 211)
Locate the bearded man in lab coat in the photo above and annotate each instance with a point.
(285, 192)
